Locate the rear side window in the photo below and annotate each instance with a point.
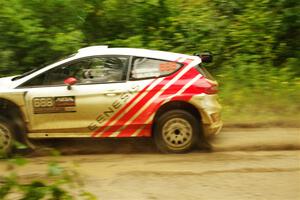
(152, 68)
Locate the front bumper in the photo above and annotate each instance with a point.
(210, 109)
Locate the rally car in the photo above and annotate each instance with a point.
(113, 92)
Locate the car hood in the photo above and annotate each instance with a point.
(6, 82)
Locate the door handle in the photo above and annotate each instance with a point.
(110, 94)
(113, 92)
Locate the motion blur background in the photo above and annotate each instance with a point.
(255, 43)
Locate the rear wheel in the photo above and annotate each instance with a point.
(176, 131)
(6, 137)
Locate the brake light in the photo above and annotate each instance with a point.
(213, 89)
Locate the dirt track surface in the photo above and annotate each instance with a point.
(257, 139)
(228, 140)
(239, 167)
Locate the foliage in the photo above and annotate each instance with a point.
(59, 183)
(255, 43)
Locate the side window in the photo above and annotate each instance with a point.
(152, 68)
(106, 69)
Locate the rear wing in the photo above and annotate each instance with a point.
(206, 57)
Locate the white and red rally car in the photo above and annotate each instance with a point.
(113, 92)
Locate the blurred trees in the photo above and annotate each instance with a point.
(256, 43)
(237, 31)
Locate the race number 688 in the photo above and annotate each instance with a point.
(43, 102)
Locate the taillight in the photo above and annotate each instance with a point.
(213, 89)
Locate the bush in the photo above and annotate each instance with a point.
(58, 183)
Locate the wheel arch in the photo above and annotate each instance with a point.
(172, 105)
(12, 112)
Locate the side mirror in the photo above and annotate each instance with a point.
(70, 81)
(206, 57)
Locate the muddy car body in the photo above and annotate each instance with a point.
(113, 92)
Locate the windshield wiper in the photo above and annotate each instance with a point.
(25, 74)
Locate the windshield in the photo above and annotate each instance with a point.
(37, 68)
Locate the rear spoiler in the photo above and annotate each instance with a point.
(206, 57)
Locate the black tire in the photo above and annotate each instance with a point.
(176, 131)
(6, 138)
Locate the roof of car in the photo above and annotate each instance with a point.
(105, 50)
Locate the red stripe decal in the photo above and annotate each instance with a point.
(122, 110)
(140, 104)
(146, 132)
(173, 89)
(112, 127)
(134, 109)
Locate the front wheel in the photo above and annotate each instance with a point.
(176, 131)
(6, 138)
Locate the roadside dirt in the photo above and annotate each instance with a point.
(288, 123)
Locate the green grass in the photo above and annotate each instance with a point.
(274, 106)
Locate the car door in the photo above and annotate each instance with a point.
(100, 92)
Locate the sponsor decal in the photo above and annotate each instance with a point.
(44, 105)
(64, 101)
(168, 67)
(111, 110)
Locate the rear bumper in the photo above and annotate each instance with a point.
(212, 129)
(210, 109)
